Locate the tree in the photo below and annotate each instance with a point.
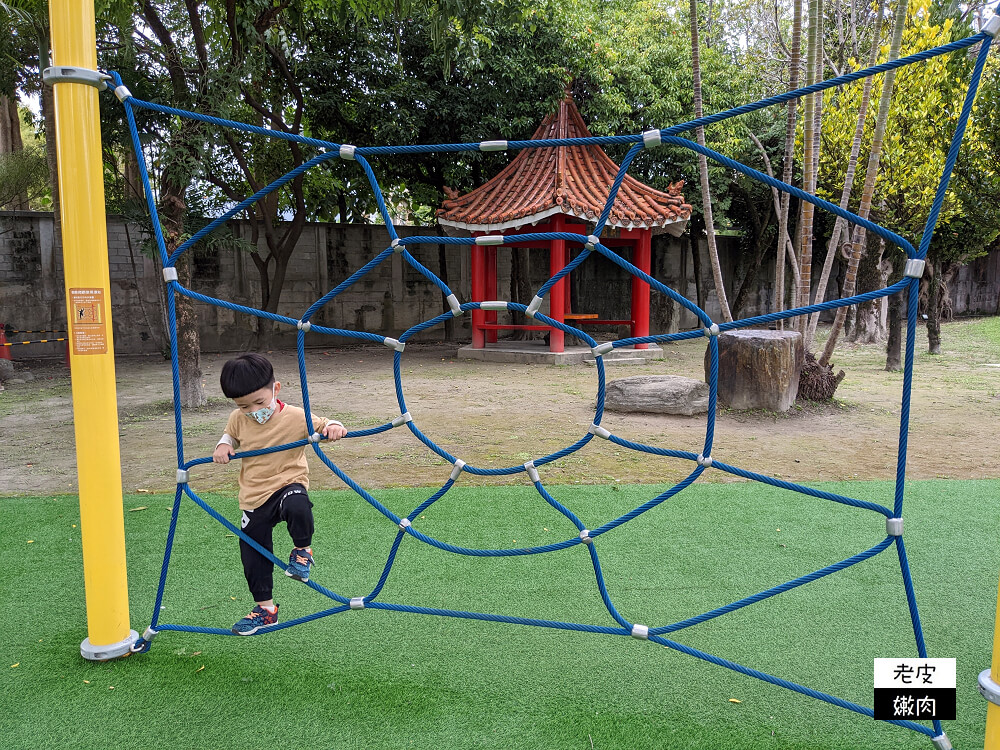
(871, 173)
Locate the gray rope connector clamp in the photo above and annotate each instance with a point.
(72, 74)
(397, 246)
(405, 524)
(992, 26)
(914, 268)
(457, 469)
(149, 634)
(602, 349)
(894, 526)
(712, 330)
(704, 460)
(170, 274)
(492, 239)
(303, 325)
(402, 419)
(493, 145)
(533, 306)
(394, 343)
(585, 537)
(494, 305)
(315, 437)
(358, 602)
(347, 152)
(988, 688)
(596, 429)
(641, 632)
(455, 305)
(941, 742)
(122, 93)
(651, 138)
(532, 472)
(592, 242)
(182, 476)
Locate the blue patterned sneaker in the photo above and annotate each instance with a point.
(257, 619)
(299, 563)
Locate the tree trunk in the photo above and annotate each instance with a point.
(789, 160)
(172, 209)
(868, 324)
(699, 287)
(814, 57)
(934, 309)
(10, 142)
(896, 302)
(870, 174)
(706, 194)
(840, 226)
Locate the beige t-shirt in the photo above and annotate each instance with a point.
(262, 476)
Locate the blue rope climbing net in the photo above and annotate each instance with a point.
(589, 245)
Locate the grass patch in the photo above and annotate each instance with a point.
(386, 680)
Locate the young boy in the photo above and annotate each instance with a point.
(273, 485)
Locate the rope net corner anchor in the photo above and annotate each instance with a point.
(941, 742)
(454, 305)
(536, 303)
(596, 429)
(457, 469)
(532, 472)
(992, 27)
(394, 343)
(402, 419)
(73, 74)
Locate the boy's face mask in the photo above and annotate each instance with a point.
(263, 414)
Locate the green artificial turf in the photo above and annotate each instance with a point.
(377, 679)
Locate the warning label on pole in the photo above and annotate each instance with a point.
(88, 321)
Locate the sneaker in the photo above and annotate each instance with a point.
(299, 563)
(257, 619)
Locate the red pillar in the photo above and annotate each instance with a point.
(640, 289)
(478, 273)
(491, 289)
(557, 295)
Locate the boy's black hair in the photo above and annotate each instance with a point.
(245, 374)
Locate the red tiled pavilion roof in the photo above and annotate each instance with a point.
(572, 180)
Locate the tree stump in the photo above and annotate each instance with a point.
(758, 369)
(657, 394)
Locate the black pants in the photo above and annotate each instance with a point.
(289, 504)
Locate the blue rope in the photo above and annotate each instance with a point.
(329, 150)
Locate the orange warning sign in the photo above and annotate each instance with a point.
(88, 321)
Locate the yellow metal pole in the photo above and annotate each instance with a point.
(992, 709)
(92, 354)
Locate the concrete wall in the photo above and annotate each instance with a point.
(390, 299)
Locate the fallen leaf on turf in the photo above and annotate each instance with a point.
(141, 507)
(15, 665)
(31, 541)
(74, 525)
(199, 669)
(111, 687)
(735, 700)
(196, 653)
(145, 491)
(86, 682)
(233, 598)
(230, 534)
